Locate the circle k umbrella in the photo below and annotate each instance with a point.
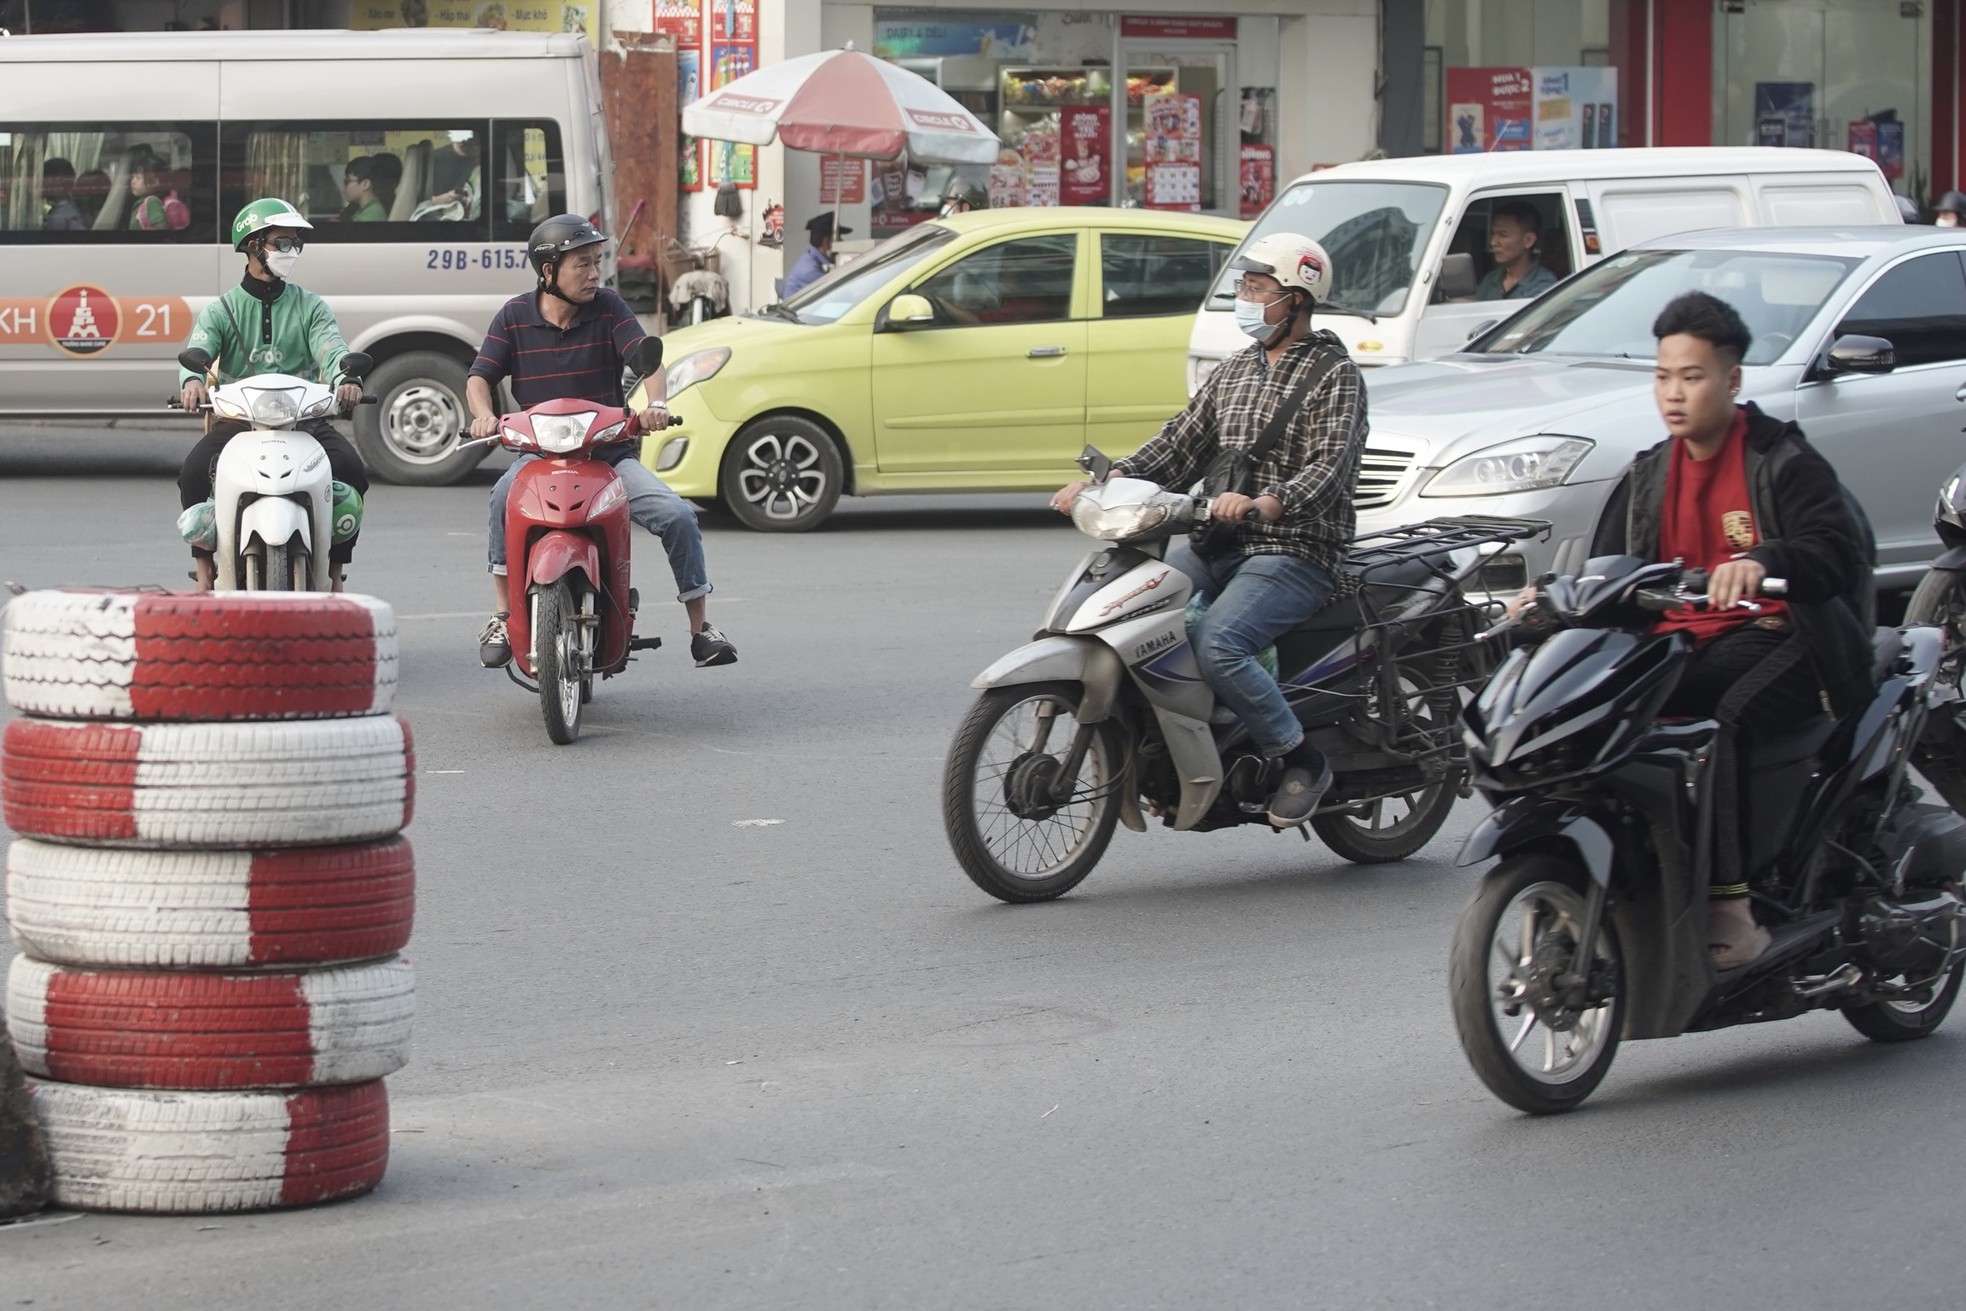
(843, 102)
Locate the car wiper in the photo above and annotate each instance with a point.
(780, 311)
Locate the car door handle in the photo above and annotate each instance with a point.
(1053, 352)
(1960, 395)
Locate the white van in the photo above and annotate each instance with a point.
(1409, 237)
(124, 157)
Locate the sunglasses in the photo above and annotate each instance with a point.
(286, 245)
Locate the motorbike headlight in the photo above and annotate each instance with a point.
(560, 433)
(695, 367)
(1117, 523)
(1522, 465)
(274, 409)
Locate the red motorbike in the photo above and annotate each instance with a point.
(566, 547)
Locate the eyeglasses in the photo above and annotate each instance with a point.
(285, 245)
(1247, 290)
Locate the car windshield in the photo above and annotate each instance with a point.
(1373, 232)
(834, 296)
(1609, 309)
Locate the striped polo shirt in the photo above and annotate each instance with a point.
(582, 361)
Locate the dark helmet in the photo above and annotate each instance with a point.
(559, 236)
(1951, 203)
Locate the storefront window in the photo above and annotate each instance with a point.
(1837, 74)
(1519, 75)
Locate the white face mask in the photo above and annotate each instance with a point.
(280, 263)
(1250, 317)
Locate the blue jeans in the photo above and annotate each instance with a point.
(1252, 601)
(650, 504)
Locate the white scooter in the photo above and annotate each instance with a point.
(273, 491)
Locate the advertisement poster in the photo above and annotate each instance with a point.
(1256, 179)
(1007, 181)
(1576, 108)
(1489, 109)
(992, 38)
(689, 76)
(1042, 151)
(689, 163)
(842, 181)
(1086, 134)
(682, 19)
(1173, 129)
(1881, 139)
(1174, 185)
(733, 20)
(730, 161)
(503, 15)
(1785, 114)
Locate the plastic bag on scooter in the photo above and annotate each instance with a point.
(347, 512)
(1267, 657)
(199, 526)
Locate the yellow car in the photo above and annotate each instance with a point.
(977, 353)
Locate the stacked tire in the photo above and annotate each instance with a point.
(210, 892)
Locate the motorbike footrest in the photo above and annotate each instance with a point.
(644, 643)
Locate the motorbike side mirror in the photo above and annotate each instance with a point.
(910, 311)
(1457, 276)
(355, 364)
(195, 360)
(1096, 463)
(646, 358)
(1858, 354)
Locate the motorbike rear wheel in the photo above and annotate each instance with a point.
(1517, 936)
(1907, 1021)
(555, 637)
(1363, 833)
(1941, 601)
(1011, 842)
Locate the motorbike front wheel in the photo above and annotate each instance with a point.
(1009, 830)
(1516, 940)
(556, 638)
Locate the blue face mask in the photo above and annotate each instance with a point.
(1249, 317)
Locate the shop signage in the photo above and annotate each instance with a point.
(1175, 27)
(542, 16)
(1086, 136)
(682, 19)
(995, 37)
(842, 181)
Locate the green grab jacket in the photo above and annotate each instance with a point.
(294, 334)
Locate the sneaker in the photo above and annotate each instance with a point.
(494, 647)
(1297, 796)
(711, 647)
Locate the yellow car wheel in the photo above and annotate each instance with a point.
(782, 474)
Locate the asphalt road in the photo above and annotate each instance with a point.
(669, 1058)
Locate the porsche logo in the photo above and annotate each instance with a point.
(1739, 527)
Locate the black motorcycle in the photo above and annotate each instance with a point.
(1592, 928)
(1941, 601)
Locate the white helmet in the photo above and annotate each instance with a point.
(1294, 260)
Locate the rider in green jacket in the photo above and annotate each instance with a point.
(267, 325)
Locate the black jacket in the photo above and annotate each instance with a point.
(1814, 534)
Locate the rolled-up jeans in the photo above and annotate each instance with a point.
(650, 504)
(1252, 601)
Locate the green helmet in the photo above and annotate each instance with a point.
(268, 213)
(347, 512)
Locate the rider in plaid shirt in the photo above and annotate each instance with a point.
(1273, 574)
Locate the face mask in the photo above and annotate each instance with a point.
(1249, 317)
(280, 263)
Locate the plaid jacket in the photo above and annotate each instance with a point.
(1312, 470)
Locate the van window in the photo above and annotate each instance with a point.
(1821, 206)
(529, 178)
(1919, 306)
(1142, 275)
(1373, 231)
(89, 183)
(1631, 216)
(1552, 251)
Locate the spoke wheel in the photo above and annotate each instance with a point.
(1515, 946)
(1941, 601)
(1009, 830)
(556, 637)
(1393, 827)
(782, 475)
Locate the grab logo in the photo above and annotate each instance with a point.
(83, 320)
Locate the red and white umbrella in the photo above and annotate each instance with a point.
(844, 102)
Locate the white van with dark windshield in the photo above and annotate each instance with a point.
(1408, 238)
(422, 158)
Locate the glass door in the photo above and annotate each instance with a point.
(1174, 122)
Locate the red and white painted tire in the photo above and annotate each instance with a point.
(208, 785)
(192, 656)
(210, 909)
(205, 1032)
(182, 1153)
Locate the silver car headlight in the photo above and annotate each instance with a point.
(1522, 465)
(560, 433)
(274, 409)
(695, 367)
(1118, 523)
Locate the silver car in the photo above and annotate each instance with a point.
(1859, 336)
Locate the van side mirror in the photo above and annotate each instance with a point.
(195, 360)
(1457, 276)
(356, 364)
(910, 311)
(1857, 354)
(646, 358)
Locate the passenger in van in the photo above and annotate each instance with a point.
(59, 212)
(358, 188)
(266, 324)
(453, 171)
(1515, 230)
(156, 206)
(91, 194)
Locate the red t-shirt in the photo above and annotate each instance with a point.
(1707, 520)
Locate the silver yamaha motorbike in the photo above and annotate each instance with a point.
(1104, 719)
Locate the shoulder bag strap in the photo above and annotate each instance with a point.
(1280, 418)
